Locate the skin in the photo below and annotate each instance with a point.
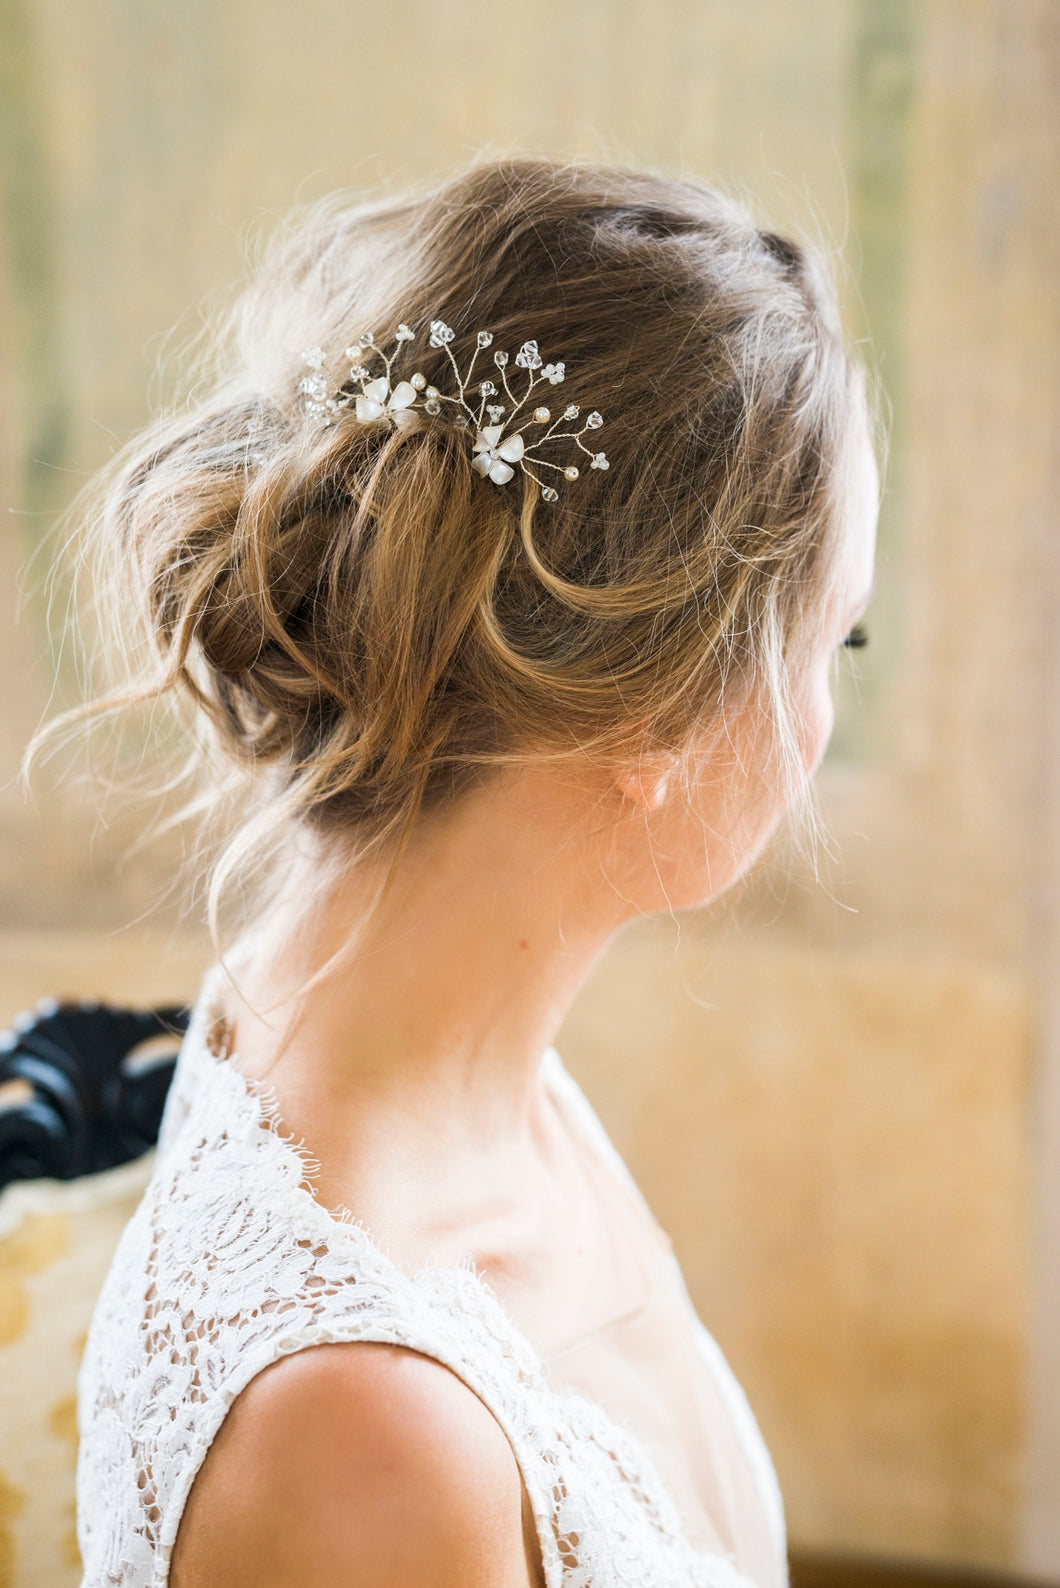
(435, 1124)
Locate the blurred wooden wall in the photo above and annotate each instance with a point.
(842, 1097)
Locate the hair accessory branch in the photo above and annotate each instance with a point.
(502, 419)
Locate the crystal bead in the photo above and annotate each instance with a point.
(314, 357)
(419, 381)
(403, 334)
(315, 386)
(554, 372)
(599, 461)
(570, 472)
(440, 333)
(548, 494)
(500, 359)
(487, 389)
(594, 420)
(542, 415)
(484, 338)
(495, 410)
(432, 406)
(528, 357)
(366, 339)
(571, 411)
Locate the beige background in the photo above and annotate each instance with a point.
(842, 1097)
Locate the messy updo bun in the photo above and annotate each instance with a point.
(364, 624)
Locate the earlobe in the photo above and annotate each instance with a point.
(645, 786)
(657, 792)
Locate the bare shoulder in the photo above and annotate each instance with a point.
(362, 1464)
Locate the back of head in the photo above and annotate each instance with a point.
(364, 623)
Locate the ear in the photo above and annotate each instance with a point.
(648, 783)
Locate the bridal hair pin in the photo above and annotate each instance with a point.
(502, 439)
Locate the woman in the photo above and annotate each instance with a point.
(501, 653)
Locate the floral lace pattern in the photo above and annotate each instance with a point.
(229, 1264)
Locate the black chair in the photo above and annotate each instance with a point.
(82, 1087)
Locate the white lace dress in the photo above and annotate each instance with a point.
(231, 1263)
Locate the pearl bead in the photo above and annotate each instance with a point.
(419, 381)
(542, 416)
(570, 472)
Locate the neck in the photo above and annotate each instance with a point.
(449, 991)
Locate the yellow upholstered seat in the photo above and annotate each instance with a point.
(56, 1242)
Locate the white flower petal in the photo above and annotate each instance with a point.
(512, 449)
(403, 395)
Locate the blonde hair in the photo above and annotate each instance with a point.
(362, 625)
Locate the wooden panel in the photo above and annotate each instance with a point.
(837, 1146)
